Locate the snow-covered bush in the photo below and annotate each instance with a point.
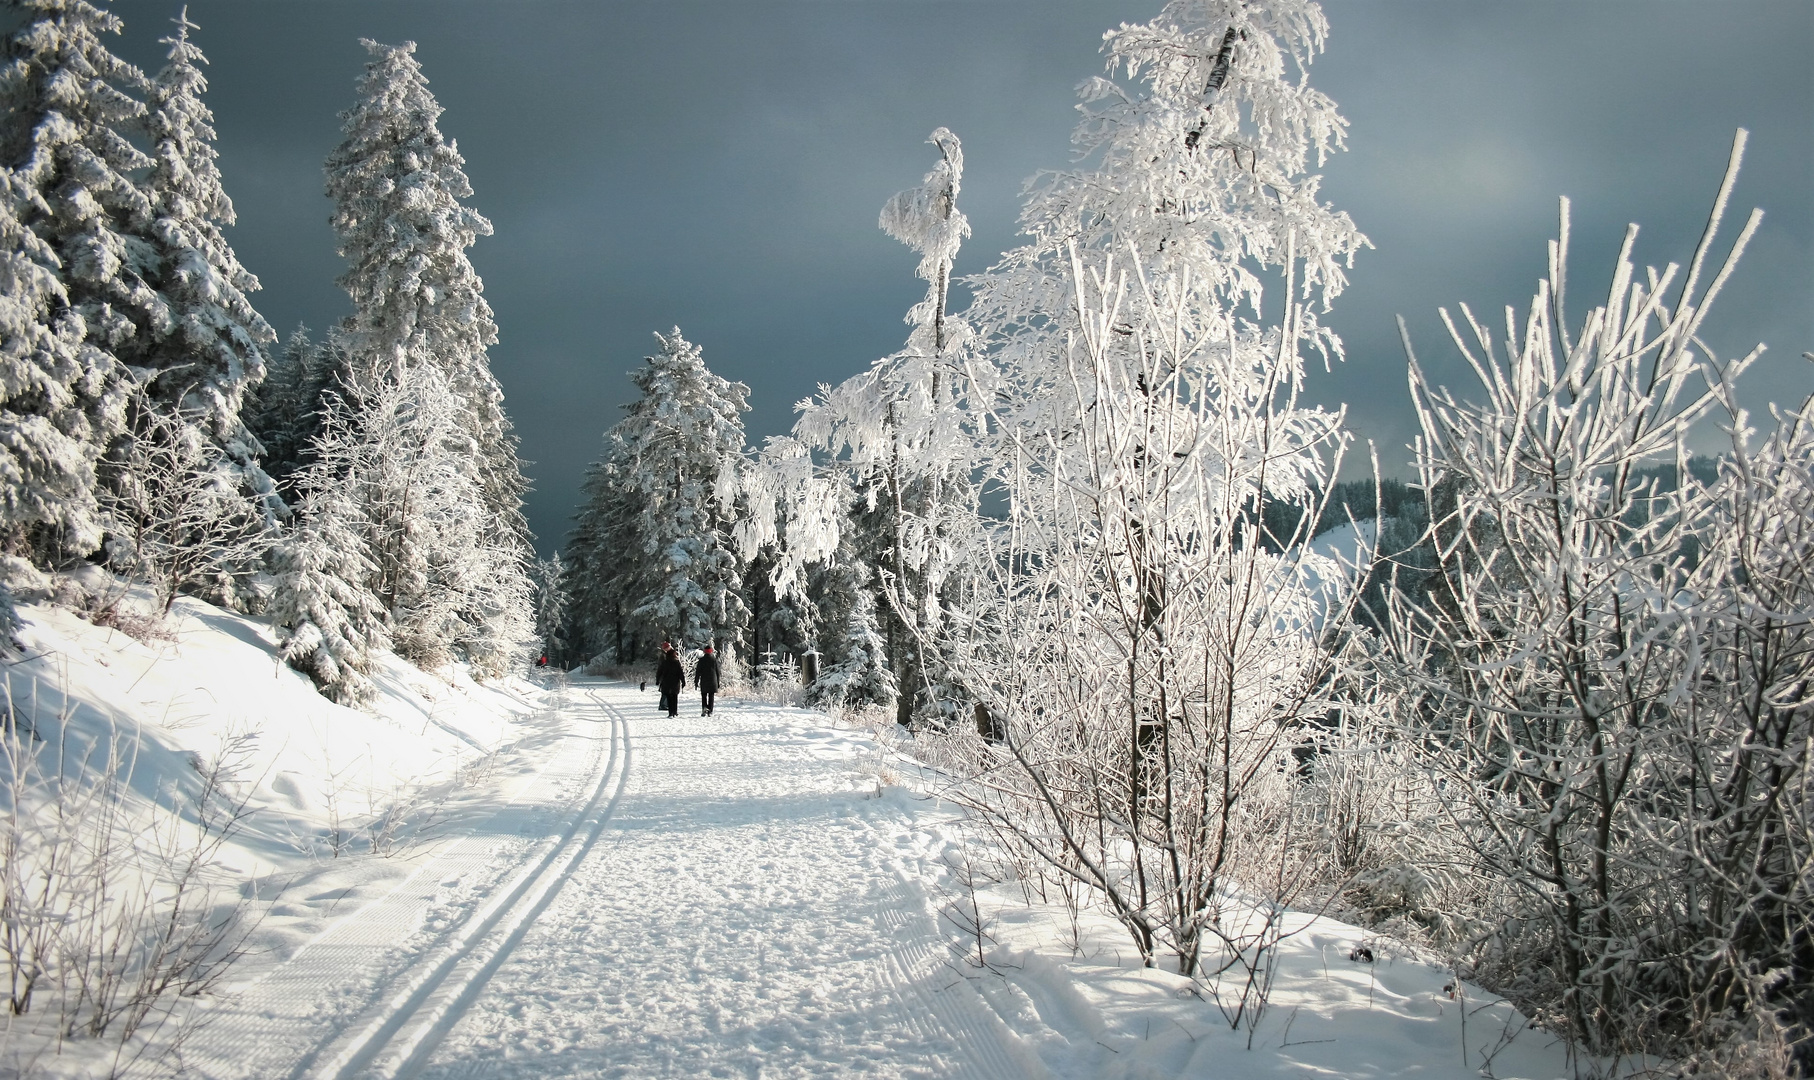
(1607, 668)
(109, 909)
(180, 512)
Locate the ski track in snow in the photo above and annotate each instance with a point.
(378, 979)
(749, 912)
(695, 897)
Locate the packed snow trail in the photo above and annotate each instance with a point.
(750, 911)
(381, 976)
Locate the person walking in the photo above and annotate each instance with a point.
(670, 676)
(705, 676)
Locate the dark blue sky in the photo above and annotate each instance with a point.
(720, 166)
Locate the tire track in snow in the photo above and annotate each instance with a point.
(430, 1000)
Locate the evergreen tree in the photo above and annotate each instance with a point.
(551, 607)
(603, 584)
(855, 668)
(398, 186)
(207, 350)
(666, 492)
(331, 620)
(74, 269)
(453, 581)
(280, 409)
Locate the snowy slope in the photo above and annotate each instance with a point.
(323, 785)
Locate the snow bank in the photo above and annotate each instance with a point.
(216, 678)
(1343, 1001)
(338, 803)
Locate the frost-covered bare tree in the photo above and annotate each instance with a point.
(438, 568)
(891, 440)
(1611, 672)
(180, 512)
(1145, 653)
(1147, 656)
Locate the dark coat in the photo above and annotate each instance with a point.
(705, 675)
(670, 675)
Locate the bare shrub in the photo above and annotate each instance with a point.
(110, 904)
(1608, 675)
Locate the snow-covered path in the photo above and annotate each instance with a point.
(649, 897)
(385, 976)
(748, 912)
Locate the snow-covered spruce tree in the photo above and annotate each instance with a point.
(398, 186)
(671, 476)
(1611, 669)
(551, 603)
(329, 618)
(208, 349)
(284, 410)
(893, 433)
(781, 623)
(1148, 657)
(602, 584)
(853, 662)
(459, 581)
(73, 278)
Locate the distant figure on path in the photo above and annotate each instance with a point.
(670, 676)
(705, 676)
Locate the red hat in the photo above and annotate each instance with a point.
(708, 648)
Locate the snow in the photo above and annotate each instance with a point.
(610, 892)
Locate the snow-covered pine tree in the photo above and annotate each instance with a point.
(398, 186)
(674, 466)
(452, 579)
(551, 602)
(780, 622)
(854, 668)
(73, 268)
(202, 361)
(603, 586)
(330, 619)
(281, 410)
